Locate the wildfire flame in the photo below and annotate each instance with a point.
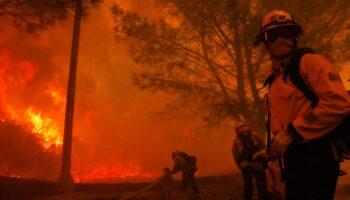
(46, 127)
(15, 75)
(45, 119)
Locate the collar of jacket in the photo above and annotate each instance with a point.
(274, 71)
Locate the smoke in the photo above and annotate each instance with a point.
(115, 132)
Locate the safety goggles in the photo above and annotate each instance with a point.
(283, 32)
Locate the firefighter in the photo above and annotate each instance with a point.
(245, 145)
(187, 165)
(299, 124)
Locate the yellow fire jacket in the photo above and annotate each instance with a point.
(288, 106)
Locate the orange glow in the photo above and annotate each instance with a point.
(3, 168)
(56, 92)
(46, 127)
(119, 132)
(43, 117)
(14, 75)
(114, 173)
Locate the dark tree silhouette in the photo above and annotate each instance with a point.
(203, 50)
(35, 15)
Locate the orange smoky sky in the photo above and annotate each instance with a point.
(118, 129)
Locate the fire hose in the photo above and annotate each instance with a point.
(151, 185)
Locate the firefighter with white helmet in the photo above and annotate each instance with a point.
(306, 102)
(277, 20)
(245, 145)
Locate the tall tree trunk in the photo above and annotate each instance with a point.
(65, 176)
(242, 100)
(258, 102)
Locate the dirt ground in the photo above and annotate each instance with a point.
(212, 188)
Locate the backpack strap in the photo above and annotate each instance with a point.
(293, 72)
(267, 83)
(268, 128)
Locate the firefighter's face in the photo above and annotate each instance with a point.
(280, 41)
(242, 130)
(281, 47)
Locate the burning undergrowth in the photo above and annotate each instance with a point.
(22, 154)
(32, 103)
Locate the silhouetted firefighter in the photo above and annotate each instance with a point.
(245, 145)
(307, 105)
(187, 164)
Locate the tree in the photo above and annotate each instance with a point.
(31, 15)
(39, 14)
(202, 50)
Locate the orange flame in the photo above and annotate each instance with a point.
(15, 75)
(47, 122)
(46, 128)
(116, 172)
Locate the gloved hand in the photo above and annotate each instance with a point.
(243, 164)
(280, 143)
(260, 155)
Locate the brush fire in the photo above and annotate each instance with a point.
(32, 134)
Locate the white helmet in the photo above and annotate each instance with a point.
(276, 19)
(241, 127)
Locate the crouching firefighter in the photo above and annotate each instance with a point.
(308, 109)
(187, 164)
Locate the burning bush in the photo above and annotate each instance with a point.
(22, 155)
